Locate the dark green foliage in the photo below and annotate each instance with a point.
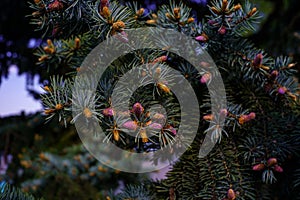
(11, 193)
(140, 192)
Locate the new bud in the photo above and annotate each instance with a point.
(137, 109)
(222, 30)
(272, 161)
(131, 125)
(282, 90)
(108, 112)
(205, 78)
(252, 115)
(258, 167)
(231, 194)
(258, 60)
(208, 117)
(277, 168)
(156, 126)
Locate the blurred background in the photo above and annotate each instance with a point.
(22, 127)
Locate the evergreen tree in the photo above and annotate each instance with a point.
(256, 152)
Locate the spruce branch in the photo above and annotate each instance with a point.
(8, 192)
